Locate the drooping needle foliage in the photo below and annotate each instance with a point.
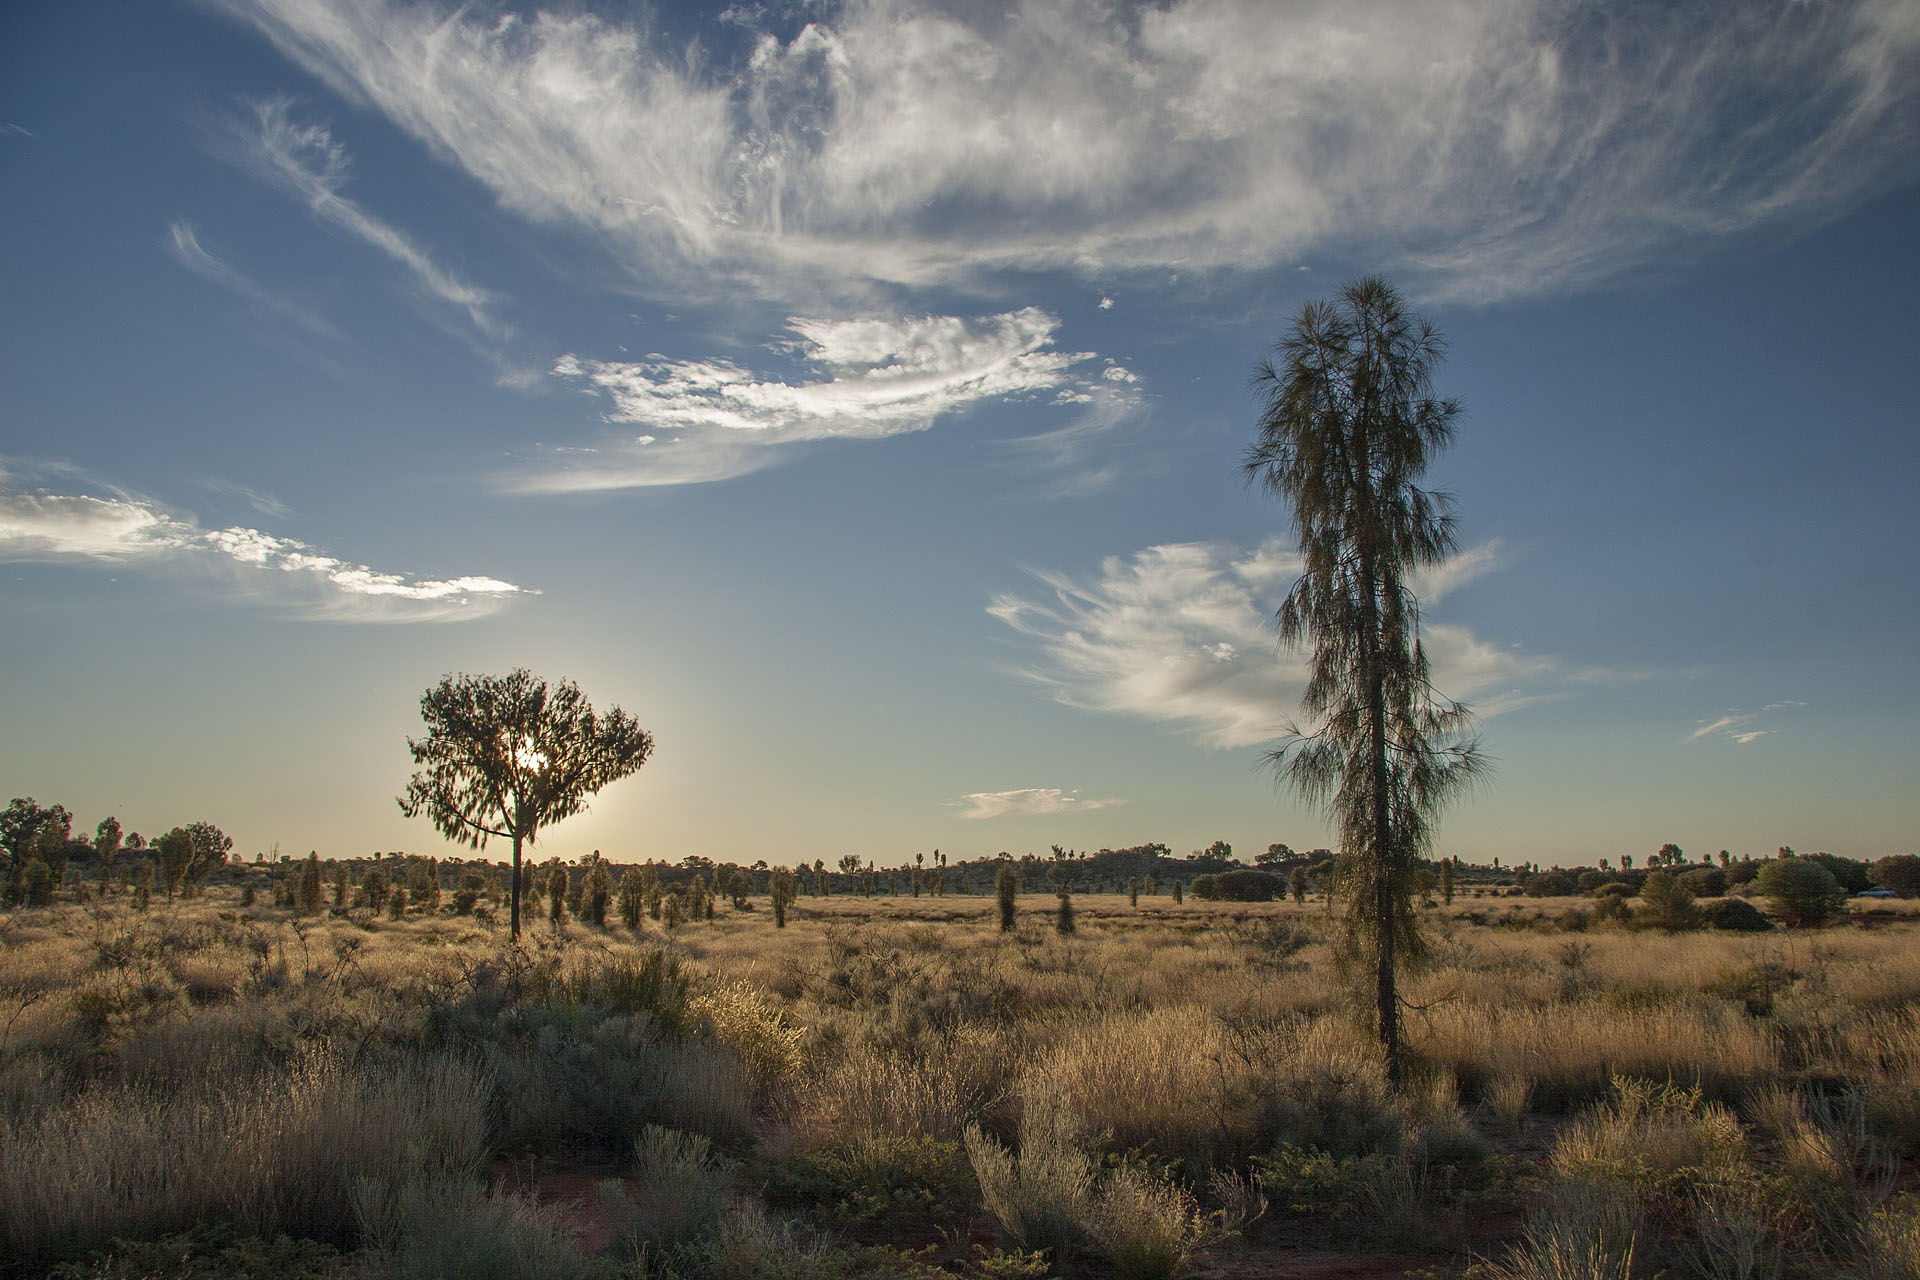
(1349, 423)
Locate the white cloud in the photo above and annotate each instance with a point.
(37, 526)
(709, 420)
(1029, 802)
(1738, 728)
(305, 161)
(1183, 634)
(1495, 147)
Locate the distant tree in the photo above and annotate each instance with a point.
(1667, 904)
(1276, 853)
(39, 883)
(106, 847)
(1446, 881)
(673, 911)
(1006, 886)
(176, 855)
(782, 887)
(307, 895)
(1297, 884)
(1704, 882)
(1900, 873)
(472, 885)
(633, 897)
(1801, 891)
(1349, 421)
(142, 884)
(1179, 892)
(1669, 856)
(820, 878)
(1133, 891)
(598, 894)
(509, 755)
(21, 824)
(557, 892)
(208, 847)
(1852, 874)
(374, 888)
(1063, 917)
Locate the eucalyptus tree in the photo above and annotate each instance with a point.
(508, 755)
(1348, 425)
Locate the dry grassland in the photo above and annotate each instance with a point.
(893, 1087)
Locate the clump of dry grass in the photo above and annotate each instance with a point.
(1146, 1226)
(280, 1152)
(1042, 1192)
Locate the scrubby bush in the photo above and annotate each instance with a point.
(1704, 882)
(1801, 891)
(1147, 1226)
(1239, 886)
(1550, 884)
(1736, 915)
(1667, 904)
(1900, 873)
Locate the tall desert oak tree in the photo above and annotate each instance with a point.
(1349, 421)
(507, 755)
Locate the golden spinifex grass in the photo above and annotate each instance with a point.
(337, 1077)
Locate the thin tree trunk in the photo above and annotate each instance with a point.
(514, 896)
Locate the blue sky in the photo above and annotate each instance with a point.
(855, 394)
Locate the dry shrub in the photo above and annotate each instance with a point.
(1147, 1227)
(753, 1025)
(1042, 1194)
(1890, 1243)
(682, 1189)
(438, 1228)
(278, 1153)
(878, 1092)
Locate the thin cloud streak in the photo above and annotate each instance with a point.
(306, 162)
(37, 526)
(1492, 149)
(709, 420)
(1028, 802)
(1182, 634)
(183, 245)
(1738, 727)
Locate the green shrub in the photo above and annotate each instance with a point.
(1801, 891)
(214, 1252)
(454, 1229)
(1667, 904)
(1736, 915)
(683, 1188)
(877, 1183)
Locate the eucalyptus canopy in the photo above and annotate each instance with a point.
(507, 755)
(1349, 422)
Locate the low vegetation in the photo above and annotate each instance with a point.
(898, 1086)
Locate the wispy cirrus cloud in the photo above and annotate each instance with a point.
(1182, 634)
(122, 529)
(305, 161)
(183, 244)
(1028, 802)
(707, 420)
(1742, 728)
(1494, 149)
